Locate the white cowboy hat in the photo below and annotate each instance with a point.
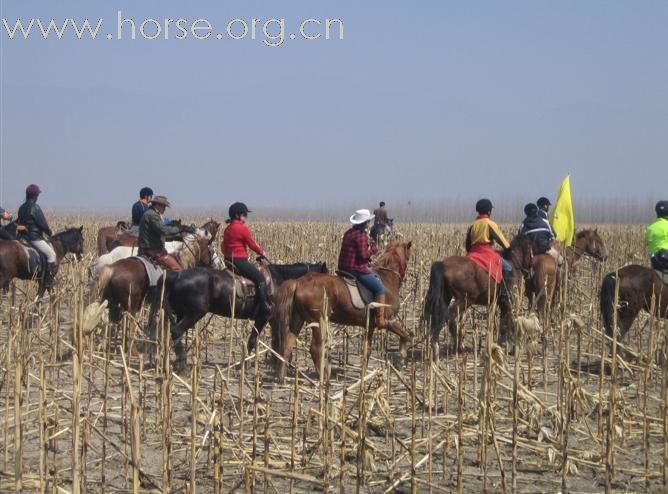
(361, 216)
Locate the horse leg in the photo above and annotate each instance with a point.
(256, 331)
(177, 331)
(399, 330)
(505, 332)
(366, 349)
(316, 349)
(282, 364)
(457, 339)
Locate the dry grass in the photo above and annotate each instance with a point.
(80, 413)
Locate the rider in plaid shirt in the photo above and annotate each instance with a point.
(355, 256)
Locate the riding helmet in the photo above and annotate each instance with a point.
(33, 191)
(542, 202)
(238, 208)
(530, 209)
(483, 206)
(661, 208)
(145, 192)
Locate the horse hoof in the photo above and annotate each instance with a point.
(181, 366)
(435, 353)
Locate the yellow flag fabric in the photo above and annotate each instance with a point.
(562, 217)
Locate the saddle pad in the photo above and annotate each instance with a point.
(360, 295)
(34, 262)
(153, 272)
(663, 276)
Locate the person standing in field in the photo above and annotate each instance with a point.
(139, 208)
(355, 255)
(237, 239)
(480, 238)
(33, 227)
(152, 233)
(656, 237)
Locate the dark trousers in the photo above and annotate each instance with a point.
(248, 270)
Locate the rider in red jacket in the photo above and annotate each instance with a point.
(237, 239)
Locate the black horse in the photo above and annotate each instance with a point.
(191, 294)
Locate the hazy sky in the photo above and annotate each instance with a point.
(420, 101)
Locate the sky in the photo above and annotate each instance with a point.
(421, 101)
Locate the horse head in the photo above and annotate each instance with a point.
(397, 253)
(212, 227)
(520, 254)
(589, 242)
(72, 241)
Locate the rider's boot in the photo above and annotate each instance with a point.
(380, 311)
(50, 275)
(263, 298)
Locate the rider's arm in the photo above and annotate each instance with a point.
(250, 241)
(364, 250)
(40, 220)
(497, 236)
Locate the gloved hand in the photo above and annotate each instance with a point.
(263, 257)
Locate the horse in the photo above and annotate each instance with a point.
(541, 281)
(124, 284)
(191, 294)
(109, 237)
(378, 231)
(301, 301)
(587, 243)
(460, 279)
(638, 288)
(15, 264)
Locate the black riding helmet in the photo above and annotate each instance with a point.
(661, 209)
(530, 209)
(237, 209)
(483, 206)
(542, 202)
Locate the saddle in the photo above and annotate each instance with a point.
(244, 287)
(153, 272)
(36, 263)
(360, 295)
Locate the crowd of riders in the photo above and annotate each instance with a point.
(357, 248)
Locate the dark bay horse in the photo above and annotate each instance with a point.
(14, 262)
(301, 301)
(459, 280)
(191, 294)
(637, 286)
(124, 284)
(109, 237)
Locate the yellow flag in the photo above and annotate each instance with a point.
(562, 217)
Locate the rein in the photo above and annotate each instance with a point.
(402, 266)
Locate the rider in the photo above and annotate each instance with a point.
(543, 204)
(656, 237)
(140, 207)
(32, 218)
(480, 236)
(237, 239)
(380, 217)
(4, 216)
(539, 230)
(152, 233)
(355, 256)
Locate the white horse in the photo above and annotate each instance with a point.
(123, 252)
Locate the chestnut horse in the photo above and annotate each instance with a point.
(124, 284)
(636, 286)
(110, 236)
(460, 279)
(301, 301)
(14, 263)
(541, 281)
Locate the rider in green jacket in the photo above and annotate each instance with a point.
(656, 237)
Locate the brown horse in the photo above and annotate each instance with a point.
(15, 264)
(587, 243)
(109, 237)
(301, 301)
(638, 288)
(124, 284)
(459, 280)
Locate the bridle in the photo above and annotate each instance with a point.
(402, 266)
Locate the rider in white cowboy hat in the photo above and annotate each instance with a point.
(356, 252)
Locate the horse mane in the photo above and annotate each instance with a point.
(386, 257)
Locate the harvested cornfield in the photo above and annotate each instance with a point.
(560, 408)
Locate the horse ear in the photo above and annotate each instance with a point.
(409, 244)
(81, 228)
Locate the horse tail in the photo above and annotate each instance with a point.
(436, 309)
(607, 300)
(282, 315)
